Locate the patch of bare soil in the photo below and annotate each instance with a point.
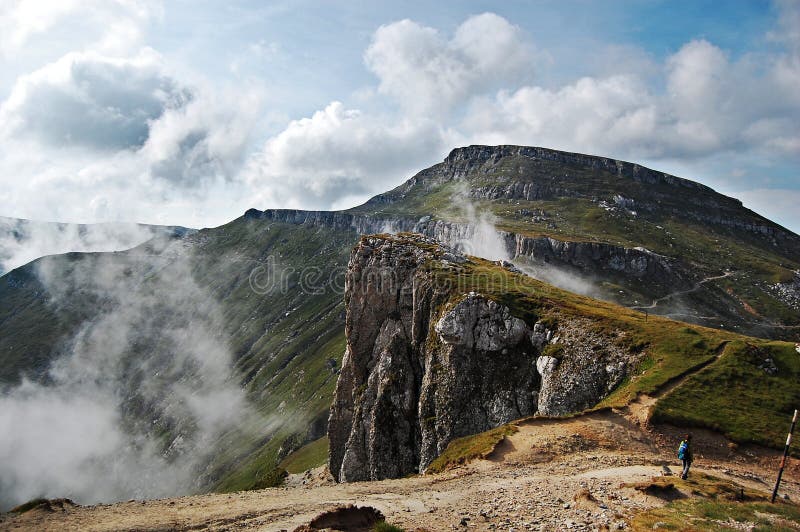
(571, 474)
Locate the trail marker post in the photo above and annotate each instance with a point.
(785, 454)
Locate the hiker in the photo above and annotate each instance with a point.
(685, 455)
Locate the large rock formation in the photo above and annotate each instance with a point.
(425, 364)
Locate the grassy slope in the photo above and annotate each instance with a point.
(709, 503)
(288, 362)
(736, 397)
(307, 457)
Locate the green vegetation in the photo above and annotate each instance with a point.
(708, 503)
(737, 397)
(309, 456)
(255, 471)
(383, 526)
(462, 450)
(27, 506)
(285, 344)
(710, 234)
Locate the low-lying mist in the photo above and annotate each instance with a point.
(22, 241)
(561, 278)
(484, 240)
(139, 402)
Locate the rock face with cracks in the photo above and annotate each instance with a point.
(424, 365)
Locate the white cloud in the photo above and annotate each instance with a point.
(426, 73)
(107, 26)
(22, 241)
(589, 113)
(147, 143)
(338, 152)
(86, 99)
(76, 436)
(97, 138)
(707, 106)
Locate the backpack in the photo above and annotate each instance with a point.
(684, 446)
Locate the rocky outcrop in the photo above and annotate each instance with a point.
(595, 257)
(788, 293)
(424, 364)
(584, 366)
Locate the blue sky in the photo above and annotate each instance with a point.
(189, 112)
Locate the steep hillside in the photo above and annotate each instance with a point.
(605, 228)
(165, 336)
(210, 358)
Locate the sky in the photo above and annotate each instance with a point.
(190, 112)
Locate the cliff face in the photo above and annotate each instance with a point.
(588, 257)
(424, 364)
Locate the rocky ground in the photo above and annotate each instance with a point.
(574, 474)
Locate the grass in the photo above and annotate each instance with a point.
(698, 232)
(736, 397)
(383, 526)
(27, 506)
(309, 456)
(462, 450)
(710, 515)
(709, 503)
(287, 363)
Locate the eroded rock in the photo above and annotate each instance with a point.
(424, 365)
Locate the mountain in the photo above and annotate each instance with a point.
(204, 362)
(22, 241)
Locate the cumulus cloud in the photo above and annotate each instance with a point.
(708, 105)
(86, 99)
(98, 138)
(339, 152)
(126, 136)
(475, 87)
(428, 73)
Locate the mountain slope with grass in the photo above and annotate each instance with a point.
(214, 356)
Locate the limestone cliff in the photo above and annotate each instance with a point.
(425, 364)
(590, 258)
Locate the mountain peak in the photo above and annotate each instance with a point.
(479, 154)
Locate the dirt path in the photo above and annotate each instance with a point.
(550, 475)
(694, 288)
(638, 410)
